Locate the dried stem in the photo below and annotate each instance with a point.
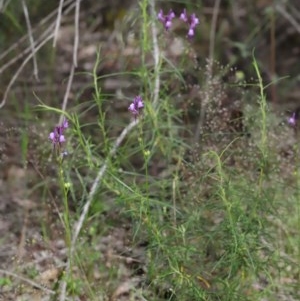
(67, 93)
(156, 55)
(76, 37)
(58, 21)
(30, 36)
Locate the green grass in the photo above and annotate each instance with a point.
(209, 237)
(212, 220)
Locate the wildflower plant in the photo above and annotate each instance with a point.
(179, 218)
(58, 139)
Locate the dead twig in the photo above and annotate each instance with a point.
(76, 35)
(58, 21)
(156, 55)
(67, 93)
(31, 41)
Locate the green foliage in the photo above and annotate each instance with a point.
(5, 281)
(214, 215)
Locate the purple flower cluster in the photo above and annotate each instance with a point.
(136, 106)
(191, 20)
(57, 136)
(166, 20)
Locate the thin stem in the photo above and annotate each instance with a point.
(67, 93)
(76, 35)
(58, 21)
(30, 36)
(156, 55)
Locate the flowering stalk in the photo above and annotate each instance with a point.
(57, 138)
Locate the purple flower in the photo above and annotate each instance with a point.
(183, 16)
(166, 20)
(192, 21)
(136, 105)
(292, 120)
(65, 123)
(57, 136)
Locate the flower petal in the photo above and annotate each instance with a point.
(62, 139)
(52, 136)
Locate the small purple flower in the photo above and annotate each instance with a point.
(65, 123)
(292, 120)
(136, 105)
(166, 20)
(57, 136)
(192, 21)
(183, 16)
